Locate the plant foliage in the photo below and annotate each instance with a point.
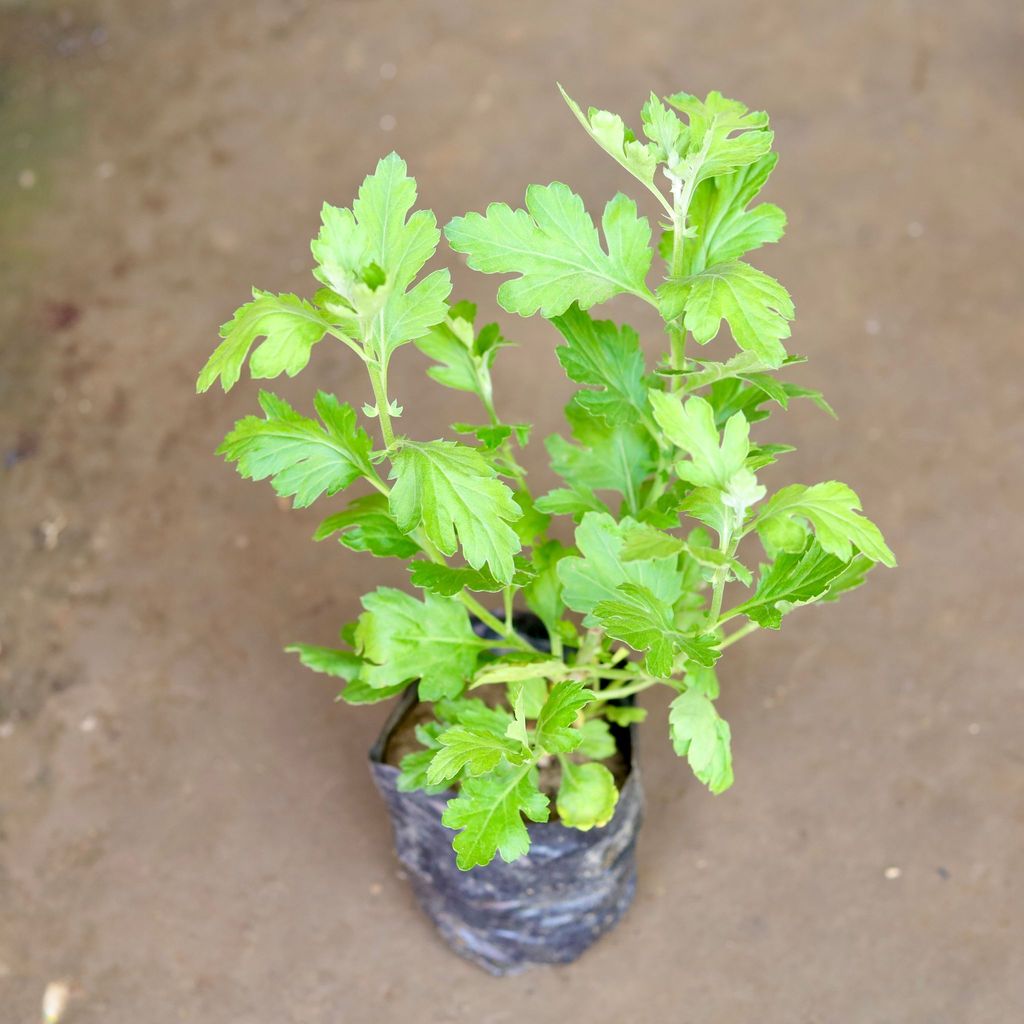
(659, 471)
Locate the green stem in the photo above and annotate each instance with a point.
(740, 633)
(379, 381)
(627, 691)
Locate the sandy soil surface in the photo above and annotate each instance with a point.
(187, 828)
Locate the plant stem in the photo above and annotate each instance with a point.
(627, 691)
(379, 381)
(740, 633)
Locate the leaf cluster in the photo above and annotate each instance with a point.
(658, 468)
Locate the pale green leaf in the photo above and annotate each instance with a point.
(756, 307)
(475, 751)
(597, 743)
(402, 639)
(555, 733)
(555, 249)
(302, 457)
(489, 812)
(700, 735)
(834, 511)
(600, 569)
(587, 795)
(606, 357)
(291, 327)
(452, 492)
(367, 525)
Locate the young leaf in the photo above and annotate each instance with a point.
(723, 135)
(755, 306)
(342, 664)
(555, 733)
(691, 427)
(597, 743)
(833, 509)
(301, 457)
(599, 570)
(587, 795)
(611, 134)
(367, 525)
(636, 617)
(796, 578)
(506, 671)
(723, 228)
(476, 751)
(412, 769)
(405, 640)
(448, 580)
(464, 358)
(528, 695)
(489, 811)
(371, 254)
(554, 248)
(609, 457)
(700, 735)
(291, 327)
(624, 715)
(566, 501)
(450, 489)
(599, 354)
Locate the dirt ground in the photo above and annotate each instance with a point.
(187, 828)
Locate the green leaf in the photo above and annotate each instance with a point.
(449, 580)
(796, 578)
(301, 457)
(555, 249)
(587, 795)
(489, 811)
(529, 694)
(833, 509)
(464, 357)
(524, 668)
(690, 426)
(611, 134)
(412, 769)
(700, 735)
(378, 237)
(600, 568)
(723, 136)
(624, 715)
(645, 541)
(609, 457)
(597, 743)
(543, 594)
(636, 617)
(473, 712)
(367, 525)
(722, 227)
(450, 489)
(555, 732)
(756, 307)
(342, 664)
(291, 327)
(565, 501)
(607, 357)
(405, 639)
(475, 751)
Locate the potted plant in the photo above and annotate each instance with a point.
(518, 655)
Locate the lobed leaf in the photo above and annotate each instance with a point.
(554, 248)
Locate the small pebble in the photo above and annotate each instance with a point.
(388, 71)
(872, 327)
(376, 889)
(943, 873)
(6, 730)
(387, 123)
(89, 723)
(915, 229)
(106, 170)
(27, 178)
(892, 873)
(974, 728)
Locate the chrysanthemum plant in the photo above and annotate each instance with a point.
(659, 469)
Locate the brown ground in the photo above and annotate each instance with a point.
(188, 830)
